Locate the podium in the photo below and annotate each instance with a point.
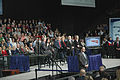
(95, 62)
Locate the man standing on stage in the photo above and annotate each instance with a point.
(83, 60)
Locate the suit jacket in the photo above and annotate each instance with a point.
(115, 45)
(12, 52)
(76, 43)
(45, 48)
(82, 60)
(70, 44)
(64, 46)
(105, 45)
(81, 78)
(17, 52)
(57, 46)
(76, 47)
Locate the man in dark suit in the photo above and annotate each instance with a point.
(117, 47)
(83, 60)
(17, 51)
(44, 47)
(59, 48)
(70, 46)
(58, 43)
(64, 46)
(77, 44)
(105, 48)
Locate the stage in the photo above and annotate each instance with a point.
(31, 75)
(109, 63)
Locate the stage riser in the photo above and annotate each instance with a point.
(110, 63)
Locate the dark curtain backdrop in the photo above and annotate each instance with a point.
(69, 19)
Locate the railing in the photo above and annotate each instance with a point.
(54, 63)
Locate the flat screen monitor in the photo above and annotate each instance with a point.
(92, 41)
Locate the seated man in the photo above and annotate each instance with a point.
(18, 51)
(31, 51)
(59, 48)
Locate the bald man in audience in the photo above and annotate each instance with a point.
(82, 75)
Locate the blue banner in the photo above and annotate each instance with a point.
(1, 9)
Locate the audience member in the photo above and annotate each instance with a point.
(4, 52)
(101, 74)
(82, 75)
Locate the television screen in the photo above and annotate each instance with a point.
(92, 41)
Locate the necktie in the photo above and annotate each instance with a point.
(59, 44)
(64, 43)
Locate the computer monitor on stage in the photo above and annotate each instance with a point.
(92, 41)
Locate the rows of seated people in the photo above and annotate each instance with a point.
(26, 37)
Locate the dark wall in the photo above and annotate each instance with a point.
(69, 19)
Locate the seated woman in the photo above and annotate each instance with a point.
(4, 52)
(26, 49)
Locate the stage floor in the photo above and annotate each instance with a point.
(31, 74)
(109, 63)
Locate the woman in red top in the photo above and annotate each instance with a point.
(4, 52)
